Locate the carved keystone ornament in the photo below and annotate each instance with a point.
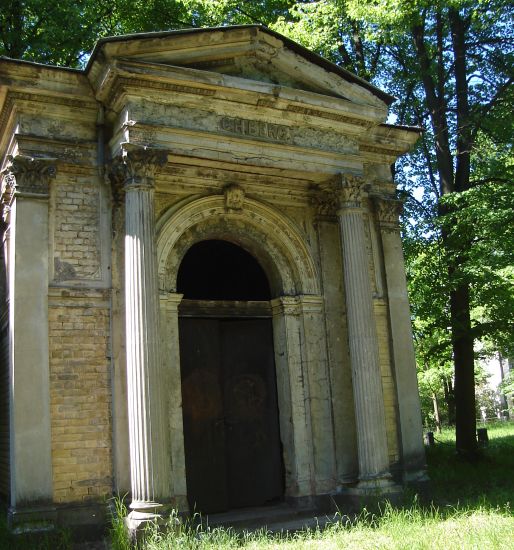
(234, 197)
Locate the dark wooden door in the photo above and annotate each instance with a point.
(231, 431)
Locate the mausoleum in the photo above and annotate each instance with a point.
(204, 294)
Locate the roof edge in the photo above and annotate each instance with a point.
(41, 65)
(388, 99)
(417, 129)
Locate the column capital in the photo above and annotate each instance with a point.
(27, 176)
(350, 191)
(345, 191)
(135, 167)
(388, 211)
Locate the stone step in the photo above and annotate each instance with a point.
(278, 518)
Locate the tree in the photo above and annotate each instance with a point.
(457, 61)
(34, 29)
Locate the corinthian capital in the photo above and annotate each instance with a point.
(351, 190)
(344, 191)
(26, 175)
(388, 211)
(136, 166)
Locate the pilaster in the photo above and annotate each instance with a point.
(315, 358)
(169, 303)
(292, 387)
(363, 341)
(411, 430)
(343, 410)
(25, 192)
(150, 466)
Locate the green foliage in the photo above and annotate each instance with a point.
(507, 386)
(60, 33)
(120, 539)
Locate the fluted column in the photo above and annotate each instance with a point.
(363, 342)
(148, 433)
(25, 194)
(409, 408)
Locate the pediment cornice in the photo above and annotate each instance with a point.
(175, 85)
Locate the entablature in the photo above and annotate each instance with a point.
(183, 86)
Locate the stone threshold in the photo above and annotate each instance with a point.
(274, 518)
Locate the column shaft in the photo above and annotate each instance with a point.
(363, 344)
(147, 433)
(150, 467)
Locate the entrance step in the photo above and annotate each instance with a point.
(274, 519)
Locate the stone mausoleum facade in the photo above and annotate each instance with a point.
(204, 297)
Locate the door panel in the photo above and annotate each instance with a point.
(251, 413)
(231, 430)
(202, 409)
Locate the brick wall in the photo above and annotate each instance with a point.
(80, 394)
(77, 230)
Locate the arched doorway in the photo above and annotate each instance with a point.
(232, 444)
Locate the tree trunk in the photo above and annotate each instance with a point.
(503, 397)
(436, 413)
(13, 33)
(450, 180)
(449, 397)
(463, 358)
(462, 336)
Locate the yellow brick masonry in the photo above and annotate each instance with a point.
(80, 394)
(76, 240)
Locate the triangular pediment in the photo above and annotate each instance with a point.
(251, 52)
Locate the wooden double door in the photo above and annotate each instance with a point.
(231, 428)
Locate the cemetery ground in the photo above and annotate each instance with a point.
(471, 505)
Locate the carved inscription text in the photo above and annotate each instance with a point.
(256, 128)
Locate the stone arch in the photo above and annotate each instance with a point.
(268, 235)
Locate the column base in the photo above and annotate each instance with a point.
(147, 514)
(381, 484)
(415, 476)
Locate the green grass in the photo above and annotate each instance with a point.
(52, 540)
(470, 506)
(488, 482)
(412, 528)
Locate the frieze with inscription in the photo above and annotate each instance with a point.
(255, 128)
(145, 118)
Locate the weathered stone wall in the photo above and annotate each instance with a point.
(80, 394)
(4, 408)
(388, 383)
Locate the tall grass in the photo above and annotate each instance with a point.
(470, 507)
(412, 528)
